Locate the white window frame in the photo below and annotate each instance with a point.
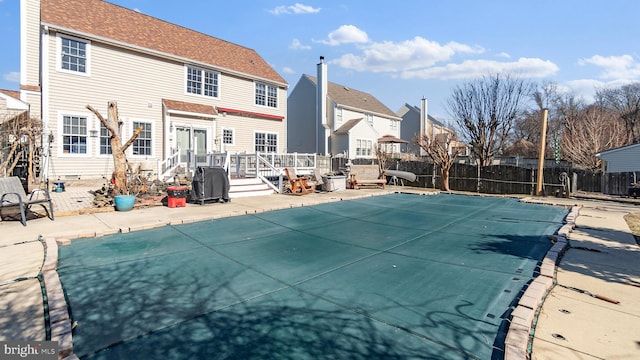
(202, 73)
(60, 138)
(233, 136)
(393, 124)
(266, 133)
(266, 95)
(369, 118)
(87, 43)
(151, 138)
(339, 115)
(364, 148)
(100, 127)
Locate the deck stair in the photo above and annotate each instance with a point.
(245, 187)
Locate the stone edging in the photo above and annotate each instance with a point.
(525, 313)
(59, 321)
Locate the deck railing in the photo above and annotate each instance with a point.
(269, 167)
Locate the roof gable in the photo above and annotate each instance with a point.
(416, 110)
(346, 96)
(348, 126)
(121, 25)
(12, 100)
(604, 154)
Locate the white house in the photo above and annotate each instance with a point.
(11, 105)
(329, 119)
(621, 160)
(186, 89)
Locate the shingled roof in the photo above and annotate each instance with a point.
(356, 99)
(112, 23)
(13, 93)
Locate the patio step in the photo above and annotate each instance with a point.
(246, 187)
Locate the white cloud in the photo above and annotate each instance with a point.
(615, 67)
(288, 70)
(523, 67)
(346, 34)
(297, 8)
(297, 45)
(586, 88)
(13, 76)
(504, 55)
(416, 53)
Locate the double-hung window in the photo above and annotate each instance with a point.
(393, 124)
(74, 55)
(202, 82)
(105, 140)
(142, 144)
(74, 134)
(266, 142)
(339, 115)
(369, 118)
(363, 147)
(266, 95)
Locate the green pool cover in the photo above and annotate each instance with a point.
(387, 277)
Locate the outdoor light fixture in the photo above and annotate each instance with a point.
(93, 133)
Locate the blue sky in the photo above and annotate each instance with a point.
(404, 50)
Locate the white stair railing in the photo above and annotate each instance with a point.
(265, 168)
(169, 165)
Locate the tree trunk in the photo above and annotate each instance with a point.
(120, 165)
(445, 178)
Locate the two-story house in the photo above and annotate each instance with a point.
(329, 119)
(416, 121)
(187, 90)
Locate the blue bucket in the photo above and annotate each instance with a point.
(124, 202)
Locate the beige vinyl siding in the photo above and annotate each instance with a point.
(32, 38)
(138, 83)
(245, 128)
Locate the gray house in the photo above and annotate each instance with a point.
(327, 118)
(620, 160)
(416, 120)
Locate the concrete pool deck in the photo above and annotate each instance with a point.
(603, 260)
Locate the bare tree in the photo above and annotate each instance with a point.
(19, 133)
(625, 101)
(114, 125)
(442, 149)
(588, 132)
(485, 111)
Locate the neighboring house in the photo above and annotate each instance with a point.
(416, 121)
(11, 106)
(621, 160)
(187, 90)
(14, 114)
(330, 119)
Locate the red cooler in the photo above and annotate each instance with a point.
(176, 196)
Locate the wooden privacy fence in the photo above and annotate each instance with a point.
(502, 179)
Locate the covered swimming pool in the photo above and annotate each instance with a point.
(395, 277)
